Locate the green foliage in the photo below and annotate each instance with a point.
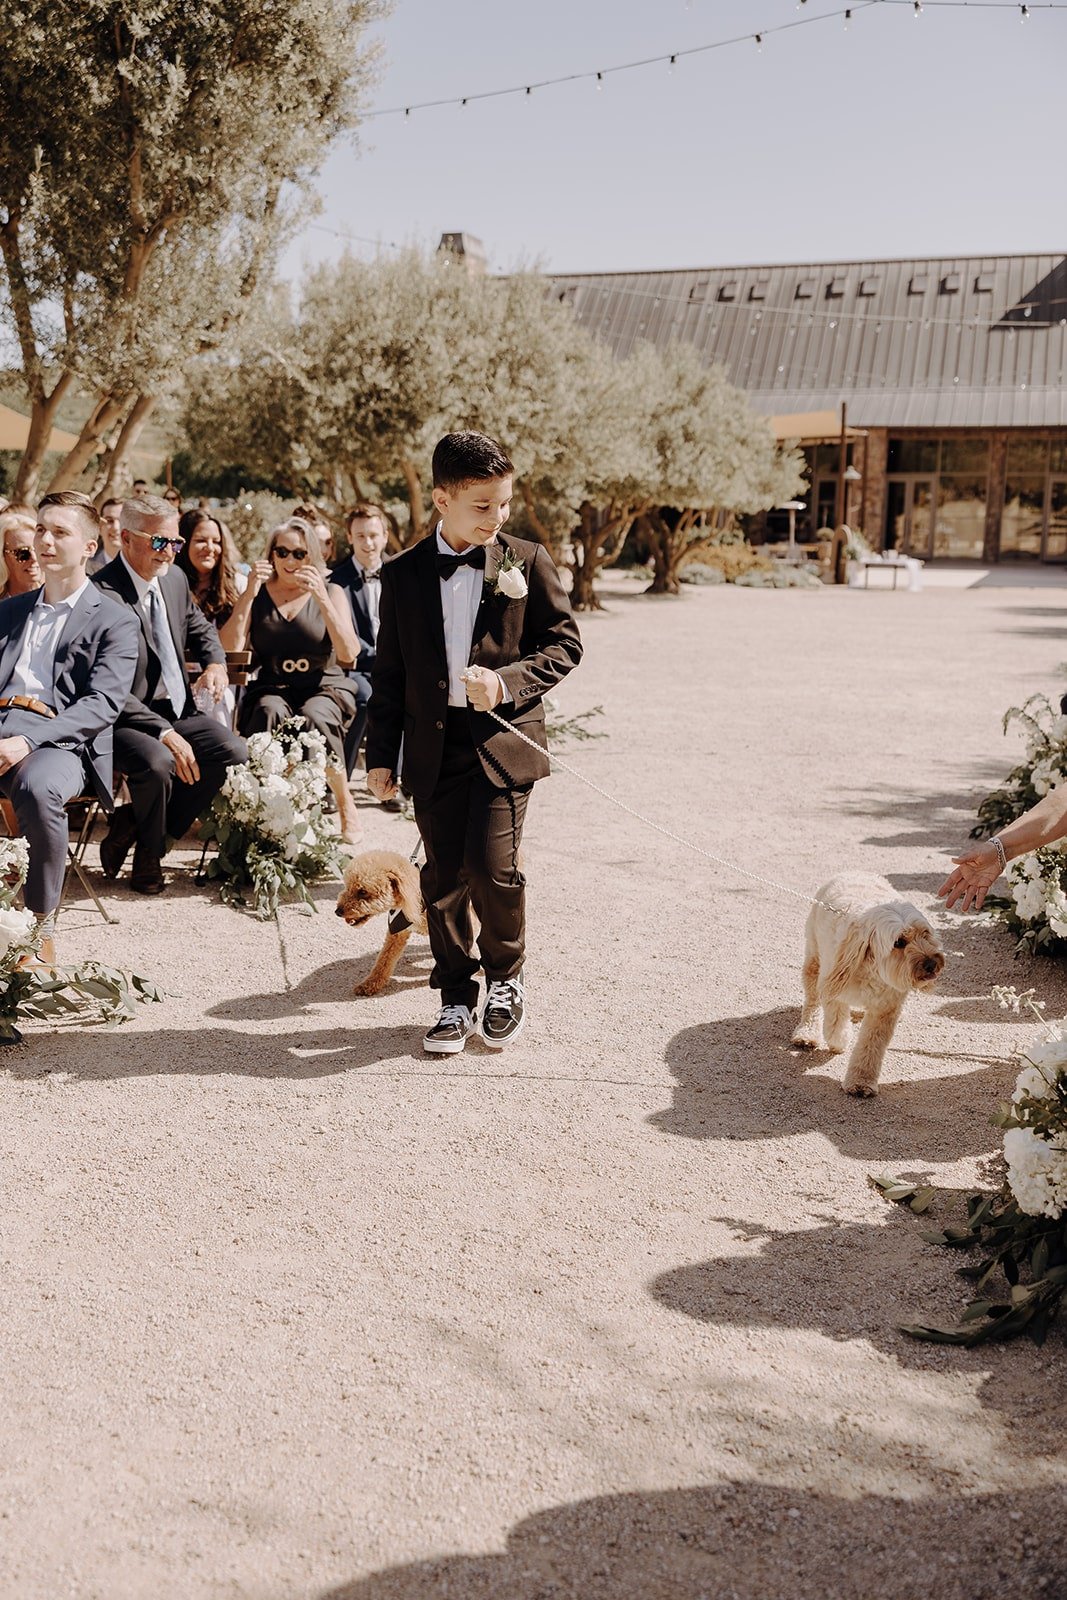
(1028, 1253)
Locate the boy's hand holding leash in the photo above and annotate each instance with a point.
(484, 688)
(382, 783)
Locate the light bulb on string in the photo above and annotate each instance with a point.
(848, 18)
(600, 80)
(759, 42)
(918, 7)
(1024, 14)
(672, 63)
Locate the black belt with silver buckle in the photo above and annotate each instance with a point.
(26, 702)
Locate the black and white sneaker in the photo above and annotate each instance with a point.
(451, 1031)
(504, 1012)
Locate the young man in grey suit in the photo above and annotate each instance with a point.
(67, 657)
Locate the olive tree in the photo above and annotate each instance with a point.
(154, 154)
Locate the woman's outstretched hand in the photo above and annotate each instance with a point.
(975, 871)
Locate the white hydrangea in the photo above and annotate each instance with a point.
(14, 858)
(1037, 1173)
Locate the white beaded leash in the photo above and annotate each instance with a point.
(668, 833)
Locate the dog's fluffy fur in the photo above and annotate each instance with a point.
(382, 881)
(867, 954)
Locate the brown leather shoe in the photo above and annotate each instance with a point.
(146, 874)
(115, 845)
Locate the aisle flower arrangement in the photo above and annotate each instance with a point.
(43, 993)
(1022, 1230)
(269, 821)
(1035, 907)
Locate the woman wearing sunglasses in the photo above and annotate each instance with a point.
(301, 637)
(20, 572)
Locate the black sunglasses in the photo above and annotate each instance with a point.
(159, 541)
(289, 555)
(23, 554)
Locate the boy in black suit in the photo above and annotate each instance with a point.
(471, 621)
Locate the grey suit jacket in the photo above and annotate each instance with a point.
(94, 669)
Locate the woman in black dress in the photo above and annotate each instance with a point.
(299, 630)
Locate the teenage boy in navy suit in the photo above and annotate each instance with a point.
(471, 621)
(359, 576)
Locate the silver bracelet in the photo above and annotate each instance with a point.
(999, 848)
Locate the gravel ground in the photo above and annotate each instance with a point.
(292, 1312)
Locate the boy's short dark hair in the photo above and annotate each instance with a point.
(462, 458)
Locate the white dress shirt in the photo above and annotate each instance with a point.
(35, 670)
(461, 595)
(372, 593)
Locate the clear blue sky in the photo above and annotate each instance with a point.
(937, 135)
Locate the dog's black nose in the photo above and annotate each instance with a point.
(338, 911)
(931, 967)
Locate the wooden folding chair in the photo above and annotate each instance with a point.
(75, 851)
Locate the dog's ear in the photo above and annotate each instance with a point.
(853, 950)
(406, 896)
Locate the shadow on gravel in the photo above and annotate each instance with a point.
(750, 1541)
(738, 1078)
(99, 1056)
(941, 820)
(324, 986)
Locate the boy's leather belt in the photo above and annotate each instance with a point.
(26, 702)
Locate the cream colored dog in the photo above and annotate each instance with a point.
(382, 881)
(867, 954)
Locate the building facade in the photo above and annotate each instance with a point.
(952, 372)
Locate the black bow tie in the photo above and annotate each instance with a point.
(373, 577)
(447, 566)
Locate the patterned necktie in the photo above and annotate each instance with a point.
(174, 681)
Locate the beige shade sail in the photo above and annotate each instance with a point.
(813, 427)
(15, 430)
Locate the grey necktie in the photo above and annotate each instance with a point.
(174, 681)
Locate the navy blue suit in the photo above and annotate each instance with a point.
(349, 578)
(93, 672)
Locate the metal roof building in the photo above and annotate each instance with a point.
(953, 367)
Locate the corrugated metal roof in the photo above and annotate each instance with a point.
(926, 343)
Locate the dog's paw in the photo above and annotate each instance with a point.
(807, 1041)
(365, 990)
(861, 1091)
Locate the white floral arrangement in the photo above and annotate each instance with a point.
(29, 989)
(1021, 1229)
(269, 820)
(1035, 907)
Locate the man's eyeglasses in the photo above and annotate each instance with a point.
(159, 541)
(23, 555)
(284, 554)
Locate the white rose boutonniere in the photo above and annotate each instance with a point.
(510, 580)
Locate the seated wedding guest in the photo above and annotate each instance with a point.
(978, 868)
(215, 584)
(22, 572)
(174, 758)
(358, 577)
(301, 639)
(109, 545)
(173, 498)
(140, 489)
(67, 656)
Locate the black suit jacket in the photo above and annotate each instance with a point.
(532, 643)
(94, 669)
(349, 578)
(195, 639)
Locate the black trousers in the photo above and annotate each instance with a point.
(471, 832)
(162, 804)
(361, 682)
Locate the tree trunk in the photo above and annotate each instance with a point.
(551, 540)
(116, 462)
(597, 541)
(418, 516)
(100, 421)
(42, 419)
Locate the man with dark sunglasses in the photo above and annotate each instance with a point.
(174, 758)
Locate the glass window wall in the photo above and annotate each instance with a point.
(959, 524)
(1023, 518)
